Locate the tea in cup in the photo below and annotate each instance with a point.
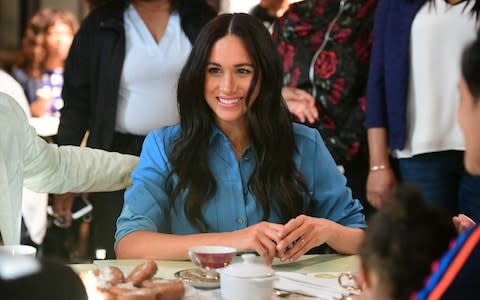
(211, 257)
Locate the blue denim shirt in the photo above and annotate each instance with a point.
(233, 206)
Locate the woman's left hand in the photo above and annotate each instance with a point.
(302, 234)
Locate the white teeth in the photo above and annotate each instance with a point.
(229, 101)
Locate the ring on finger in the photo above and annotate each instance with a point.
(302, 240)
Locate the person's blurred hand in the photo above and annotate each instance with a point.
(379, 183)
(63, 206)
(301, 104)
(462, 222)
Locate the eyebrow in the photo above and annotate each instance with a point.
(236, 65)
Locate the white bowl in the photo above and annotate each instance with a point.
(17, 250)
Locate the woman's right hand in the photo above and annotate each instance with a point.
(261, 237)
(379, 183)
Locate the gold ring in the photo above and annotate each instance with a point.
(302, 239)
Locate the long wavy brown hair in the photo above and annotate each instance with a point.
(34, 36)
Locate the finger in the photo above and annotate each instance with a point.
(289, 240)
(314, 112)
(264, 252)
(274, 234)
(269, 245)
(309, 116)
(300, 248)
(268, 260)
(301, 117)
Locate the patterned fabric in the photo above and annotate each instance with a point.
(455, 276)
(340, 70)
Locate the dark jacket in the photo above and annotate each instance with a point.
(94, 66)
(389, 68)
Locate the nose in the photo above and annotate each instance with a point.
(227, 85)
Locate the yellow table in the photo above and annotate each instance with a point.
(307, 264)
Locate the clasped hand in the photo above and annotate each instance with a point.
(286, 242)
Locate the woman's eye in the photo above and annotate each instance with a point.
(213, 70)
(244, 71)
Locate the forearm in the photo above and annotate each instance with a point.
(378, 148)
(147, 244)
(345, 240)
(53, 169)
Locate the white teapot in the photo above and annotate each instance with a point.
(247, 280)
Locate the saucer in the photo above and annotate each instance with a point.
(197, 278)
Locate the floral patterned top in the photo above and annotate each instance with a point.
(339, 34)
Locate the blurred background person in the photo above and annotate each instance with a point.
(268, 11)
(325, 47)
(39, 67)
(453, 279)
(120, 83)
(411, 102)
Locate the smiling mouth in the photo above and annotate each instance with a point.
(229, 101)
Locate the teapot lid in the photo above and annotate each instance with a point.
(248, 268)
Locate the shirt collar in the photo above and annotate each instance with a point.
(214, 133)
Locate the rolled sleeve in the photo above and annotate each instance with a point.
(146, 201)
(330, 198)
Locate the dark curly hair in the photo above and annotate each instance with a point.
(402, 241)
(275, 182)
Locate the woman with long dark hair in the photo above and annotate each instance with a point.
(39, 65)
(235, 171)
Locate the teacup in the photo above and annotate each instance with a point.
(211, 257)
(17, 250)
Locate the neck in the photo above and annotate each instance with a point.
(155, 15)
(237, 135)
(54, 63)
(152, 7)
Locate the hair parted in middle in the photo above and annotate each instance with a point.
(276, 182)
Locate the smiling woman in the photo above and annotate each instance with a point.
(235, 172)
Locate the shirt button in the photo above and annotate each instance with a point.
(239, 221)
(246, 158)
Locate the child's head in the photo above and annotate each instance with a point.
(400, 244)
(469, 108)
